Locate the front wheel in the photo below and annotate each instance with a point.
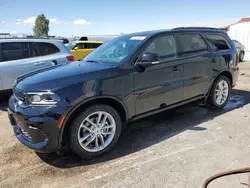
(220, 92)
(95, 131)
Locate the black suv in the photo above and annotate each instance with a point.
(83, 105)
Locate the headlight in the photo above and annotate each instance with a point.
(42, 98)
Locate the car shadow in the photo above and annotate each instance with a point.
(152, 130)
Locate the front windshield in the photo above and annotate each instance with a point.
(115, 50)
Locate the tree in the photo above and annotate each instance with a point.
(41, 27)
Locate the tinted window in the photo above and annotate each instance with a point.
(163, 46)
(34, 50)
(92, 45)
(191, 43)
(46, 48)
(218, 42)
(97, 45)
(80, 46)
(14, 51)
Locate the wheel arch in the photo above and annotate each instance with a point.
(226, 73)
(114, 102)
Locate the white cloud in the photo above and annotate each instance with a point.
(53, 20)
(30, 20)
(81, 22)
(18, 23)
(3, 22)
(18, 20)
(66, 23)
(13, 32)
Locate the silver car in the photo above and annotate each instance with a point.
(240, 49)
(20, 56)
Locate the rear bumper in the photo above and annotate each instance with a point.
(235, 74)
(36, 127)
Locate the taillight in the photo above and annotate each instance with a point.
(71, 58)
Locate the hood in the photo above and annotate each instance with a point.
(57, 77)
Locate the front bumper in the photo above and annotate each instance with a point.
(36, 127)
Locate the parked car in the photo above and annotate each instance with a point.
(84, 105)
(240, 49)
(63, 40)
(83, 48)
(20, 56)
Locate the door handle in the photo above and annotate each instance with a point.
(54, 62)
(175, 68)
(213, 60)
(39, 63)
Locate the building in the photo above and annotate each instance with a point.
(241, 31)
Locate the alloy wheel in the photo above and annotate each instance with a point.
(221, 92)
(96, 131)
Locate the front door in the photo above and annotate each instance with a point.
(161, 84)
(81, 50)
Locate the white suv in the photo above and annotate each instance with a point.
(21, 56)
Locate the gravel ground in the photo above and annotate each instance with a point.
(178, 148)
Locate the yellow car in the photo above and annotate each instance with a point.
(83, 48)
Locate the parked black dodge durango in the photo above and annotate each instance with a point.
(83, 105)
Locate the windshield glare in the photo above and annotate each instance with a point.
(115, 50)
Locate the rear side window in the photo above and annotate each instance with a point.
(43, 48)
(92, 45)
(191, 43)
(218, 42)
(14, 51)
(34, 50)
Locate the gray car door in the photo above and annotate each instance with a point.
(16, 61)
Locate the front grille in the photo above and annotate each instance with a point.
(26, 134)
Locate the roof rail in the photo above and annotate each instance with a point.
(177, 28)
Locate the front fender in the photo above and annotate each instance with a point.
(67, 114)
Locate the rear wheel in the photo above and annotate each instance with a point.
(95, 131)
(220, 92)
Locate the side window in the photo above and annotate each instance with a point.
(80, 46)
(14, 51)
(90, 45)
(163, 46)
(46, 48)
(34, 50)
(191, 43)
(218, 42)
(97, 45)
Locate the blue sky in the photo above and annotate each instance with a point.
(86, 17)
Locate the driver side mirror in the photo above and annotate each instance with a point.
(147, 59)
(75, 48)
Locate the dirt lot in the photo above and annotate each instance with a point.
(179, 148)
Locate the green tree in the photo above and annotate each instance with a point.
(41, 27)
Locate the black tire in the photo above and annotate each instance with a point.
(241, 56)
(212, 99)
(73, 136)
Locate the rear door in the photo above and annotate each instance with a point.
(19, 58)
(79, 51)
(15, 61)
(199, 64)
(44, 54)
